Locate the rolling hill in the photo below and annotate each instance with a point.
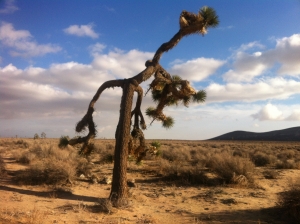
(289, 134)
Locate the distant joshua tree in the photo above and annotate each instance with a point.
(43, 135)
(166, 90)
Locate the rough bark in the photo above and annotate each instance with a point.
(119, 190)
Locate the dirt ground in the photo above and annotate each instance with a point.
(151, 201)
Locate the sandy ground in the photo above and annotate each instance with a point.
(151, 201)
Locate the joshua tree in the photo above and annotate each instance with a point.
(166, 90)
(43, 135)
(36, 136)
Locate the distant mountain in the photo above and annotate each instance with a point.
(289, 134)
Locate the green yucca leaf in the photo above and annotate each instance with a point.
(156, 144)
(209, 16)
(172, 101)
(176, 78)
(199, 97)
(151, 111)
(168, 122)
(156, 95)
(186, 101)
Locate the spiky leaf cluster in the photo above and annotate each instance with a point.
(198, 23)
(174, 90)
(209, 15)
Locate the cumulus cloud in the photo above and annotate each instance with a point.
(196, 69)
(268, 112)
(22, 43)
(82, 31)
(270, 88)
(9, 7)
(63, 87)
(120, 64)
(247, 66)
(294, 116)
(287, 53)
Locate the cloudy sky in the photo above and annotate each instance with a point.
(55, 54)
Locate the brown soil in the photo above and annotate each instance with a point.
(152, 200)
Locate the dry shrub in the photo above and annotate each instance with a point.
(24, 157)
(52, 165)
(261, 159)
(104, 205)
(175, 171)
(289, 201)
(51, 172)
(176, 154)
(2, 166)
(270, 174)
(231, 168)
(287, 164)
(83, 166)
(22, 143)
(286, 154)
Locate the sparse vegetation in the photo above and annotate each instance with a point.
(222, 173)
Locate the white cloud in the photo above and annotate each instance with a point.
(120, 64)
(268, 112)
(43, 92)
(82, 31)
(294, 116)
(271, 88)
(96, 48)
(9, 7)
(196, 69)
(22, 44)
(287, 53)
(247, 66)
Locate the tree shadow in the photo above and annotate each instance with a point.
(46, 194)
(272, 215)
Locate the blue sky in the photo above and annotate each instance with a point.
(55, 54)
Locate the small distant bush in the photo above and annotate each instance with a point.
(270, 174)
(110, 146)
(287, 164)
(25, 157)
(286, 154)
(176, 154)
(183, 174)
(63, 141)
(22, 143)
(261, 159)
(289, 201)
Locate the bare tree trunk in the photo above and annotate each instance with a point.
(119, 191)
